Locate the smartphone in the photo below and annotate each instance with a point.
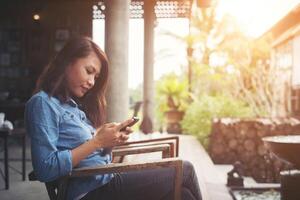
(135, 120)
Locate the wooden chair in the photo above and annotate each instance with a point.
(171, 148)
(57, 189)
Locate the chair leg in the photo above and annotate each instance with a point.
(62, 189)
(24, 158)
(51, 187)
(6, 173)
(178, 180)
(166, 153)
(172, 155)
(177, 146)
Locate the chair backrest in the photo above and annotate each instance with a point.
(52, 187)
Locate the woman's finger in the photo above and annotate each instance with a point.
(124, 124)
(124, 137)
(112, 124)
(128, 130)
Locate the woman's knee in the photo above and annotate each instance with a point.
(186, 194)
(188, 167)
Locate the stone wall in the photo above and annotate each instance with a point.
(240, 140)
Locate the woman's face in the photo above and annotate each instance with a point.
(82, 74)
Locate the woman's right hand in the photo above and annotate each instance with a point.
(109, 135)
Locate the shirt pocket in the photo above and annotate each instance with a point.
(82, 116)
(68, 116)
(72, 131)
(68, 121)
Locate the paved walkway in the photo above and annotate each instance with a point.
(211, 180)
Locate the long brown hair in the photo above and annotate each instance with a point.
(52, 79)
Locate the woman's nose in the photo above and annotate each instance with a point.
(91, 81)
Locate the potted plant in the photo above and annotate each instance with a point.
(173, 96)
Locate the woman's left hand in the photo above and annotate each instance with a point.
(125, 134)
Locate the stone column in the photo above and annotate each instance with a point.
(116, 47)
(148, 102)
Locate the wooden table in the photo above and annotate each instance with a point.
(5, 134)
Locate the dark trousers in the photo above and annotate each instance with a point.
(156, 184)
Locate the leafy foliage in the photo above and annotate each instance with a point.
(172, 92)
(198, 118)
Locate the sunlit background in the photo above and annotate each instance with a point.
(257, 16)
(254, 17)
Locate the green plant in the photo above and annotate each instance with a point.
(198, 116)
(172, 93)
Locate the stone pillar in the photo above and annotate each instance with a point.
(116, 47)
(148, 102)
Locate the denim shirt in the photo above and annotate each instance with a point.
(55, 128)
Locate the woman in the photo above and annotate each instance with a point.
(65, 119)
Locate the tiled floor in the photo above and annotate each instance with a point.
(23, 190)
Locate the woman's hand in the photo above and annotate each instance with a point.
(109, 135)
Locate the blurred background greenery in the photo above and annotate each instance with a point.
(230, 76)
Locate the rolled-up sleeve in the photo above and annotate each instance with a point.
(42, 124)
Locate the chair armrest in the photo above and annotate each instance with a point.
(126, 166)
(169, 138)
(133, 166)
(130, 150)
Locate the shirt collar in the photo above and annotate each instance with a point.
(72, 102)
